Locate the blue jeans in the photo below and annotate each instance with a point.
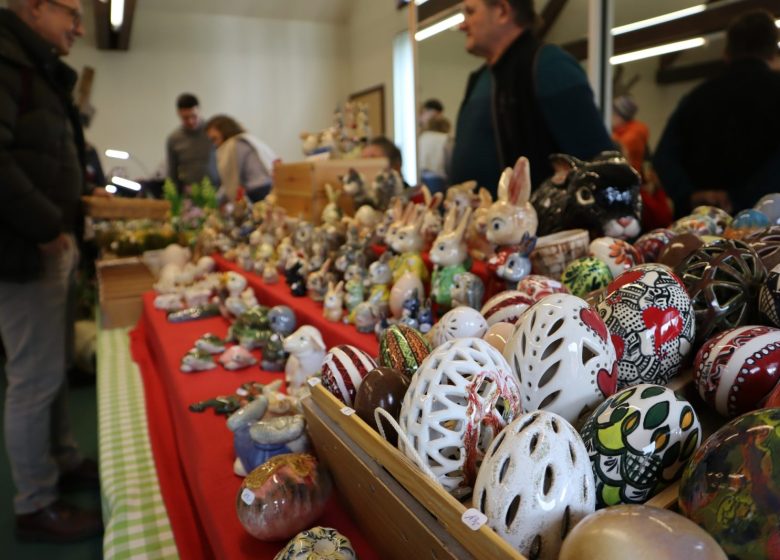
(435, 183)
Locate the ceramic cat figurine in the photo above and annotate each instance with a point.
(449, 255)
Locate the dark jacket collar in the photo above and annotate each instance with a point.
(524, 46)
(20, 45)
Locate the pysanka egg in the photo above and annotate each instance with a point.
(403, 348)
(343, 371)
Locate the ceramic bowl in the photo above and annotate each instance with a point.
(553, 252)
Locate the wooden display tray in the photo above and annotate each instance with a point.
(403, 511)
(117, 208)
(121, 284)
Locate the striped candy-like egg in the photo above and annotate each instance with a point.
(403, 348)
(505, 307)
(343, 371)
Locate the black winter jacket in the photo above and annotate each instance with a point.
(41, 149)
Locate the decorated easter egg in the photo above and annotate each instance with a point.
(719, 215)
(402, 348)
(773, 400)
(745, 223)
(650, 320)
(463, 394)
(723, 279)
(318, 543)
(505, 307)
(584, 275)
(563, 357)
(769, 206)
(735, 370)
(679, 248)
(638, 441)
(617, 254)
(641, 533)
(283, 496)
(459, 322)
(537, 286)
(343, 369)
(498, 335)
(404, 288)
(731, 487)
(766, 244)
(699, 224)
(535, 484)
(383, 388)
(652, 243)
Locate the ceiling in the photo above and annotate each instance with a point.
(332, 11)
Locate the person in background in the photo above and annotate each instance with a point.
(633, 137)
(243, 160)
(540, 102)
(434, 145)
(43, 181)
(190, 153)
(430, 109)
(381, 146)
(721, 145)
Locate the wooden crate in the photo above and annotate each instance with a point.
(399, 508)
(116, 208)
(300, 187)
(121, 283)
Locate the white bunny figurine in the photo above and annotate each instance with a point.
(479, 247)
(331, 214)
(449, 255)
(334, 302)
(307, 351)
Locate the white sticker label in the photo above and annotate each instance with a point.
(473, 519)
(247, 496)
(241, 392)
(312, 381)
(346, 411)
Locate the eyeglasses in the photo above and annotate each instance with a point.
(74, 13)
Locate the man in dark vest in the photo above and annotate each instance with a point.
(527, 100)
(41, 166)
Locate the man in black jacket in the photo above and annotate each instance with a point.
(41, 181)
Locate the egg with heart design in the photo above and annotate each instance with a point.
(651, 322)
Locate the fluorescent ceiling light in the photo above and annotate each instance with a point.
(658, 19)
(657, 51)
(110, 189)
(117, 13)
(438, 27)
(418, 2)
(117, 154)
(126, 183)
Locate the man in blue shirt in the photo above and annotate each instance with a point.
(527, 100)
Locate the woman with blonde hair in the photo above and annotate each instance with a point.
(243, 161)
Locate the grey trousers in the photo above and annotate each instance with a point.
(37, 431)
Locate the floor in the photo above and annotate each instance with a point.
(83, 409)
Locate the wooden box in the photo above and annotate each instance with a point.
(300, 187)
(117, 208)
(406, 514)
(121, 283)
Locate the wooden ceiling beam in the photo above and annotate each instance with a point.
(688, 72)
(433, 8)
(106, 37)
(716, 18)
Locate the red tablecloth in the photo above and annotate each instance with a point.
(194, 452)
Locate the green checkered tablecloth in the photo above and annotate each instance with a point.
(136, 521)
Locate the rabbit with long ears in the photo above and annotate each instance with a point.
(334, 302)
(316, 282)
(479, 247)
(432, 222)
(401, 213)
(408, 243)
(512, 215)
(379, 278)
(331, 214)
(450, 256)
(461, 196)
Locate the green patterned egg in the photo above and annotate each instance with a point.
(403, 348)
(586, 274)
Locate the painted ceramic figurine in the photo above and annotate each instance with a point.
(318, 543)
(331, 214)
(317, 282)
(274, 356)
(295, 279)
(468, 289)
(281, 319)
(512, 264)
(210, 343)
(379, 278)
(448, 253)
(307, 350)
(236, 357)
(407, 243)
(354, 289)
(334, 302)
(354, 185)
(197, 360)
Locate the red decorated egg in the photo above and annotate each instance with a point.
(736, 370)
(537, 286)
(343, 371)
(283, 496)
(651, 322)
(506, 307)
(653, 242)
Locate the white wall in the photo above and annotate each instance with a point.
(276, 77)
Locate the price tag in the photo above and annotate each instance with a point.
(313, 381)
(247, 496)
(473, 519)
(346, 411)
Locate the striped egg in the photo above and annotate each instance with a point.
(343, 371)
(736, 370)
(403, 348)
(505, 307)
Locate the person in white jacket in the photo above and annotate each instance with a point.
(435, 147)
(243, 161)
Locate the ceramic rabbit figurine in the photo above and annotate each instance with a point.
(331, 214)
(469, 290)
(515, 264)
(479, 247)
(379, 278)
(354, 184)
(449, 255)
(408, 242)
(316, 283)
(354, 288)
(460, 196)
(307, 350)
(432, 222)
(511, 217)
(334, 302)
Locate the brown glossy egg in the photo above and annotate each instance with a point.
(679, 248)
(640, 533)
(382, 388)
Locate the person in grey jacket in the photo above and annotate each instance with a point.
(41, 166)
(190, 154)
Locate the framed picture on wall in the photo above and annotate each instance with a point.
(374, 98)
